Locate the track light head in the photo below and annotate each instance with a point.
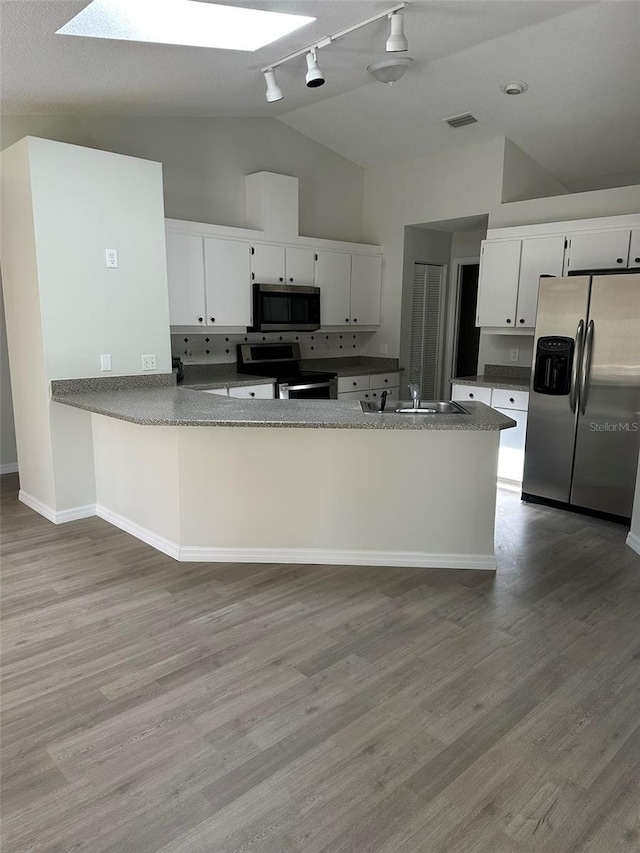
(314, 77)
(274, 92)
(397, 41)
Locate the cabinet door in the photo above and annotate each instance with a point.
(300, 266)
(333, 277)
(353, 395)
(228, 286)
(185, 274)
(634, 250)
(602, 250)
(471, 392)
(248, 392)
(498, 287)
(366, 285)
(267, 263)
(540, 256)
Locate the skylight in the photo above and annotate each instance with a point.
(185, 22)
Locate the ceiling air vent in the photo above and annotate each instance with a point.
(461, 120)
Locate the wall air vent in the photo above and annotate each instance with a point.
(461, 120)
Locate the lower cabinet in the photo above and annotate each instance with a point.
(368, 386)
(513, 404)
(247, 392)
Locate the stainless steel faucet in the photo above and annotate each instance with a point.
(414, 390)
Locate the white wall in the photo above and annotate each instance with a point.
(496, 349)
(559, 208)
(84, 202)
(452, 184)
(523, 178)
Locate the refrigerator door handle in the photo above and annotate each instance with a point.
(573, 393)
(586, 368)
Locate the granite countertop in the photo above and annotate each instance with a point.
(507, 383)
(179, 406)
(352, 365)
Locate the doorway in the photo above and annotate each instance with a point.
(467, 334)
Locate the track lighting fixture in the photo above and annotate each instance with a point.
(274, 92)
(388, 71)
(397, 41)
(314, 76)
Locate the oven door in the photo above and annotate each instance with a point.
(308, 390)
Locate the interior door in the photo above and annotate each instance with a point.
(608, 435)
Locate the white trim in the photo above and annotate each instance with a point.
(567, 226)
(142, 533)
(633, 541)
(325, 556)
(9, 468)
(56, 516)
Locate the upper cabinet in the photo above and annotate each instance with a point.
(598, 250)
(510, 272)
(634, 249)
(351, 287)
(274, 264)
(208, 281)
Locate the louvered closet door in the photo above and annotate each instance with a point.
(426, 315)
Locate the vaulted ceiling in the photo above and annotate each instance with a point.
(579, 118)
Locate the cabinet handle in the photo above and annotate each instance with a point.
(521, 320)
(253, 394)
(636, 260)
(355, 383)
(618, 260)
(281, 278)
(290, 279)
(199, 319)
(386, 380)
(511, 400)
(213, 319)
(346, 319)
(355, 319)
(470, 395)
(508, 320)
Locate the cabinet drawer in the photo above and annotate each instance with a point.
(472, 392)
(510, 399)
(221, 391)
(259, 392)
(379, 381)
(392, 390)
(353, 383)
(353, 395)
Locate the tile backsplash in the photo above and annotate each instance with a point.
(216, 349)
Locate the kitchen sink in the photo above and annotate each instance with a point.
(426, 407)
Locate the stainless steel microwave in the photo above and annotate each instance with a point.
(285, 308)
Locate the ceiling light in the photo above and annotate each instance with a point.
(389, 70)
(515, 88)
(314, 77)
(274, 92)
(397, 41)
(182, 22)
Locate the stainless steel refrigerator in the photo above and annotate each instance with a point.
(583, 428)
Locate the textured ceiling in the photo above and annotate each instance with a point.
(579, 118)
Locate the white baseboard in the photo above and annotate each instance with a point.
(9, 468)
(56, 516)
(142, 533)
(633, 541)
(325, 556)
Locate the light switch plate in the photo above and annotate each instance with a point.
(105, 362)
(515, 354)
(383, 349)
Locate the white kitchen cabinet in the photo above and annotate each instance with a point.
(227, 267)
(634, 249)
(598, 250)
(512, 441)
(333, 277)
(249, 392)
(498, 283)
(366, 285)
(471, 392)
(273, 264)
(353, 383)
(369, 386)
(344, 396)
(539, 256)
(185, 275)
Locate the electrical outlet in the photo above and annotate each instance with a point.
(383, 349)
(149, 362)
(515, 355)
(188, 354)
(111, 258)
(105, 362)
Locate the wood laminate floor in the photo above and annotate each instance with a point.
(151, 706)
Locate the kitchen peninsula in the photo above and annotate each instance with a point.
(298, 482)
